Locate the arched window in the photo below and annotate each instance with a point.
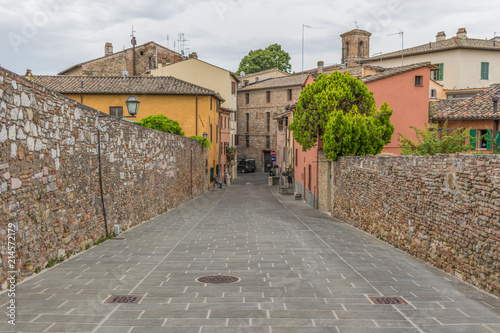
(346, 51)
(361, 50)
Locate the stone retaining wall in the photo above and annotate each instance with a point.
(444, 209)
(49, 180)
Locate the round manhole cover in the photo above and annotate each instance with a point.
(218, 279)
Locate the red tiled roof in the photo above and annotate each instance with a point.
(285, 81)
(477, 107)
(387, 72)
(141, 85)
(444, 45)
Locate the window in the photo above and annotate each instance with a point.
(296, 157)
(233, 88)
(210, 103)
(280, 125)
(248, 122)
(216, 133)
(211, 137)
(268, 121)
(245, 83)
(268, 142)
(286, 122)
(247, 139)
(419, 81)
(433, 93)
(236, 140)
(361, 50)
(116, 111)
(441, 72)
(225, 122)
(485, 71)
(481, 136)
(268, 96)
(247, 98)
(289, 94)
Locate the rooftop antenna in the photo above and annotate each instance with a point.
(125, 72)
(168, 41)
(356, 25)
(134, 43)
(302, 72)
(401, 32)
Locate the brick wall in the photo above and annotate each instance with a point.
(444, 209)
(49, 173)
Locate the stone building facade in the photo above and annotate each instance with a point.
(442, 209)
(147, 56)
(49, 173)
(258, 103)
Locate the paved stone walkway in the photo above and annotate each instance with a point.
(300, 271)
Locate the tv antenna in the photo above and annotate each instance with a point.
(356, 25)
(401, 32)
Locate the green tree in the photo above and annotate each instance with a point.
(259, 60)
(357, 134)
(429, 142)
(329, 93)
(162, 123)
(203, 142)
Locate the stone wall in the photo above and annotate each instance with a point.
(257, 109)
(49, 180)
(444, 209)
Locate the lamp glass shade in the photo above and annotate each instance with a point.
(132, 105)
(205, 135)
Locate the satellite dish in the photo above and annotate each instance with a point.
(242, 74)
(125, 74)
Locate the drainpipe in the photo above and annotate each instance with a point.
(100, 182)
(196, 115)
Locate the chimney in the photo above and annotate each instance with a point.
(320, 67)
(193, 55)
(108, 49)
(29, 75)
(462, 33)
(440, 36)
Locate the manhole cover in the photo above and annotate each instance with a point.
(387, 300)
(124, 299)
(218, 279)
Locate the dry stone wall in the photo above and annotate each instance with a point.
(49, 180)
(444, 209)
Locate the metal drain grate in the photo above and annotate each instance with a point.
(128, 299)
(387, 300)
(218, 279)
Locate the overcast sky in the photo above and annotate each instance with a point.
(51, 35)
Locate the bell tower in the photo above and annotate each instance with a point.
(355, 46)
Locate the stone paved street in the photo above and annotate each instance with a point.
(300, 271)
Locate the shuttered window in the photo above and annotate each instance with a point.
(485, 71)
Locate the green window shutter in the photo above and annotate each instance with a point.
(441, 72)
(497, 138)
(211, 137)
(473, 139)
(485, 70)
(488, 139)
(212, 175)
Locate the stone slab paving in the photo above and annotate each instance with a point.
(300, 271)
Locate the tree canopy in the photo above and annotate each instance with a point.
(270, 57)
(340, 110)
(162, 123)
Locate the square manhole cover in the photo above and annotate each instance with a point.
(127, 299)
(395, 300)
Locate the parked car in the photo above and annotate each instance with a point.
(246, 165)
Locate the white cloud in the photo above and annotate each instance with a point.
(65, 32)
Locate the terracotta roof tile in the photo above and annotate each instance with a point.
(285, 81)
(479, 106)
(394, 71)
(149, 85)
(447, 44)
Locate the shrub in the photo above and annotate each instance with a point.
(161, 122)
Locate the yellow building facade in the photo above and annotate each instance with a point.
(195, 108)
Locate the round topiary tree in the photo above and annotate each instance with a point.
(162, 123)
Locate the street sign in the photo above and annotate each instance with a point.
(273, 158)
(273, 152)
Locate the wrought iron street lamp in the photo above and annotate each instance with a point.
(205, 136)
(132, 108)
